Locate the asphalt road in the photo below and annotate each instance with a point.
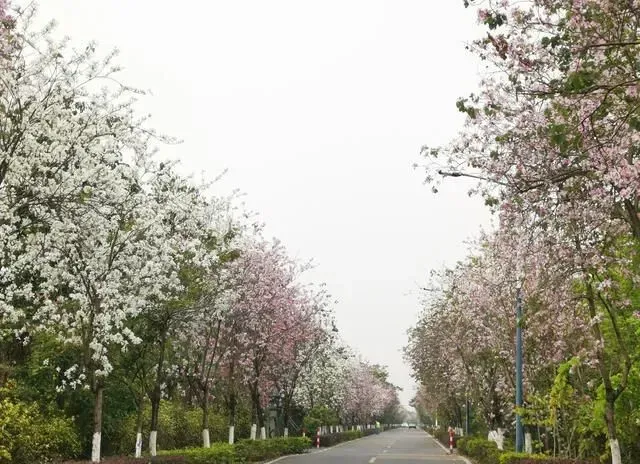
(396, 446)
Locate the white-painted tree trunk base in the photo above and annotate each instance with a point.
(528, 444)
(95, 447)
(616, 457)
(254, 429)
(139, 444)
(286, 432)
(153, 440)
(232, 434)
(263, 433)
(206, 443)
(497, 436)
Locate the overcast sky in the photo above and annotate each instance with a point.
(318, 110)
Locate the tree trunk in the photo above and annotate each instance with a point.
(155, 410)
(97, 423)
(139, 430)
(205, 416)
(257, 407)
(156, 396)
(286, 411)
(614, 445)
(260, 415)
(611, 393)
(233, 406)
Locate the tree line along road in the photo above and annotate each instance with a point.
(395, 446)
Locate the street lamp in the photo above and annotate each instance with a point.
(519, 428)
(472, 176)
(519, 375)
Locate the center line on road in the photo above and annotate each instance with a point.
(372, 460)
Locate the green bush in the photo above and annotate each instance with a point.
(179, 427)
(27, 436)
(481, 450)
(243, 451)
(258, 450)
(319, 416)
(132, 460)
(367, 432)
(335, 438)
(520, 458)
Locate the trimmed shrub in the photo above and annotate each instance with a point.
(481, 450)
(243, 451)
(258, 450)
(335, 438)
(520, 458)
(367, 432)
(132, 460)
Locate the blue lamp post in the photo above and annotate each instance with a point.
(519, 427)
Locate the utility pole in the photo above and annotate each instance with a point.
(519, 428)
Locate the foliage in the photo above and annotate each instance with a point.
(27, 436)
(335, 438)
(179, 427)
(318, 416)
(481, 450)
(243, 451)
(258, 450)
(520, 458)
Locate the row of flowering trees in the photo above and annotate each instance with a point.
(117, 274)
(552, 135)
(353, 390)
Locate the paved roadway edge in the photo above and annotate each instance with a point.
(320, 451)
(445, 448)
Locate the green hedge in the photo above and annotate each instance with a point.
(132, 460)
(520, 458)
(481, 450)
(367, 432)
(243, 451)
(335, 438)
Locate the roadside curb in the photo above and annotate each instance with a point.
(322, 450)
(465, 459)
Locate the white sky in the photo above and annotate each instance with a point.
(318, 109)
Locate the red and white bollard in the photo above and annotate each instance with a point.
(318, 438)
(451, 437)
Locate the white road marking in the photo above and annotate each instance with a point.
(372, 460)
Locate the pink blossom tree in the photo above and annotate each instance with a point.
(266, 297)
(553, 136)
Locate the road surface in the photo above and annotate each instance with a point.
(400, 446)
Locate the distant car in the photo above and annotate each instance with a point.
(405, 425)
(413, 426)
